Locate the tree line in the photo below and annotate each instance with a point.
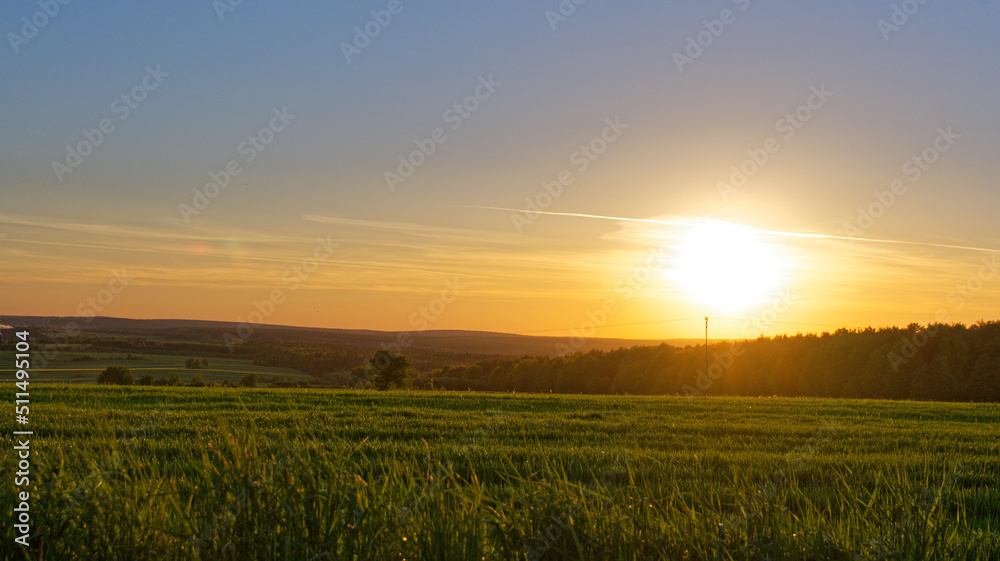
(947, 362)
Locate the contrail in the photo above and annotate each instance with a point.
(683, 223)
(579, 215)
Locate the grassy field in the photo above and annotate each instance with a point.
(63, 369)
(214, 473)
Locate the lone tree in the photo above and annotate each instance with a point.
(249, 381)
(192, 363)
(389, 369)
(116, 375)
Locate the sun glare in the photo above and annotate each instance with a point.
(726, 266)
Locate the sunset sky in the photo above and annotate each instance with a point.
(646, 111)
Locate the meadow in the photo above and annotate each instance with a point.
(67, 367)
(217, 473)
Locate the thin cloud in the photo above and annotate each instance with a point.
(694, 223)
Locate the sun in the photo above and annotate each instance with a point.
(727, 267)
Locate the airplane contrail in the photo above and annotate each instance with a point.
(580, 215)
(683, 223)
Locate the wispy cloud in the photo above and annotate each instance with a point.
(690, 222)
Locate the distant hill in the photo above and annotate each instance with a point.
(445, 340)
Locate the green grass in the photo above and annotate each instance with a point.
(214, 473)
(63, 369)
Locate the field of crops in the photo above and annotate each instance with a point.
(215, 473)
(64, 369)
